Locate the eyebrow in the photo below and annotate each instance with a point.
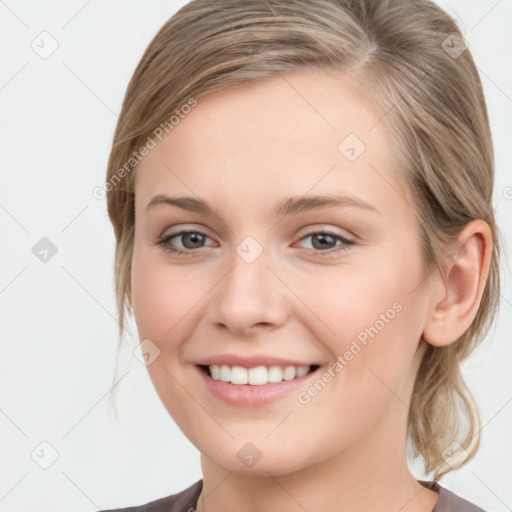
(288, 206)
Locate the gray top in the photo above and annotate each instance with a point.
(449, 501)
(186, 501)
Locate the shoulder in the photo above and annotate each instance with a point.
(449, 501)
(180, 502)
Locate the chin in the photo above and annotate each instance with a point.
(275, 465)
(257, 458)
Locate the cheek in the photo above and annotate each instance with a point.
(347, 301)
(163, 298)
(371, 376)
(163, 306)
(154, 304)
(371, 323)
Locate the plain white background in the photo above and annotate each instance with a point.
(58, 326)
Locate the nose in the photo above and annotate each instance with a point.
(250, 297)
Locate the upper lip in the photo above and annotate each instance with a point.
(252, 361)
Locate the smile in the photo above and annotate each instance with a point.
(257, 386)
(258, 375)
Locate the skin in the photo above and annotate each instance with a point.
(243, 151)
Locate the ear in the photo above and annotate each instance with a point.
(455, 301)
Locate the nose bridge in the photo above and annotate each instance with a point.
(248, 294)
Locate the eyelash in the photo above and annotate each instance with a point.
(164, 242)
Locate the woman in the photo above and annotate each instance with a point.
(301, 194)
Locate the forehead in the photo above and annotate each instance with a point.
(301, 131)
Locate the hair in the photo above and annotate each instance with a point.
(431, 102)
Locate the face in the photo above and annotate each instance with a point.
(270, 277)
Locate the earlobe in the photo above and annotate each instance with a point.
(455, 301)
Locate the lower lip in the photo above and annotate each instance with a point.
(249, 395)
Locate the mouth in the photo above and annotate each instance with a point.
(257, 375)
(251, 387)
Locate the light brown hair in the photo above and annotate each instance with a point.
(430, 99)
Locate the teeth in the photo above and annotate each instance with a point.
(239, 375)
(302, 370)
(215, 371)
(275, 374)
(289, 373)
(258, 375)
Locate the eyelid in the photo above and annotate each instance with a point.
(334, 231)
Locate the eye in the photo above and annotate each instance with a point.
(190, 240)
(325, 242)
